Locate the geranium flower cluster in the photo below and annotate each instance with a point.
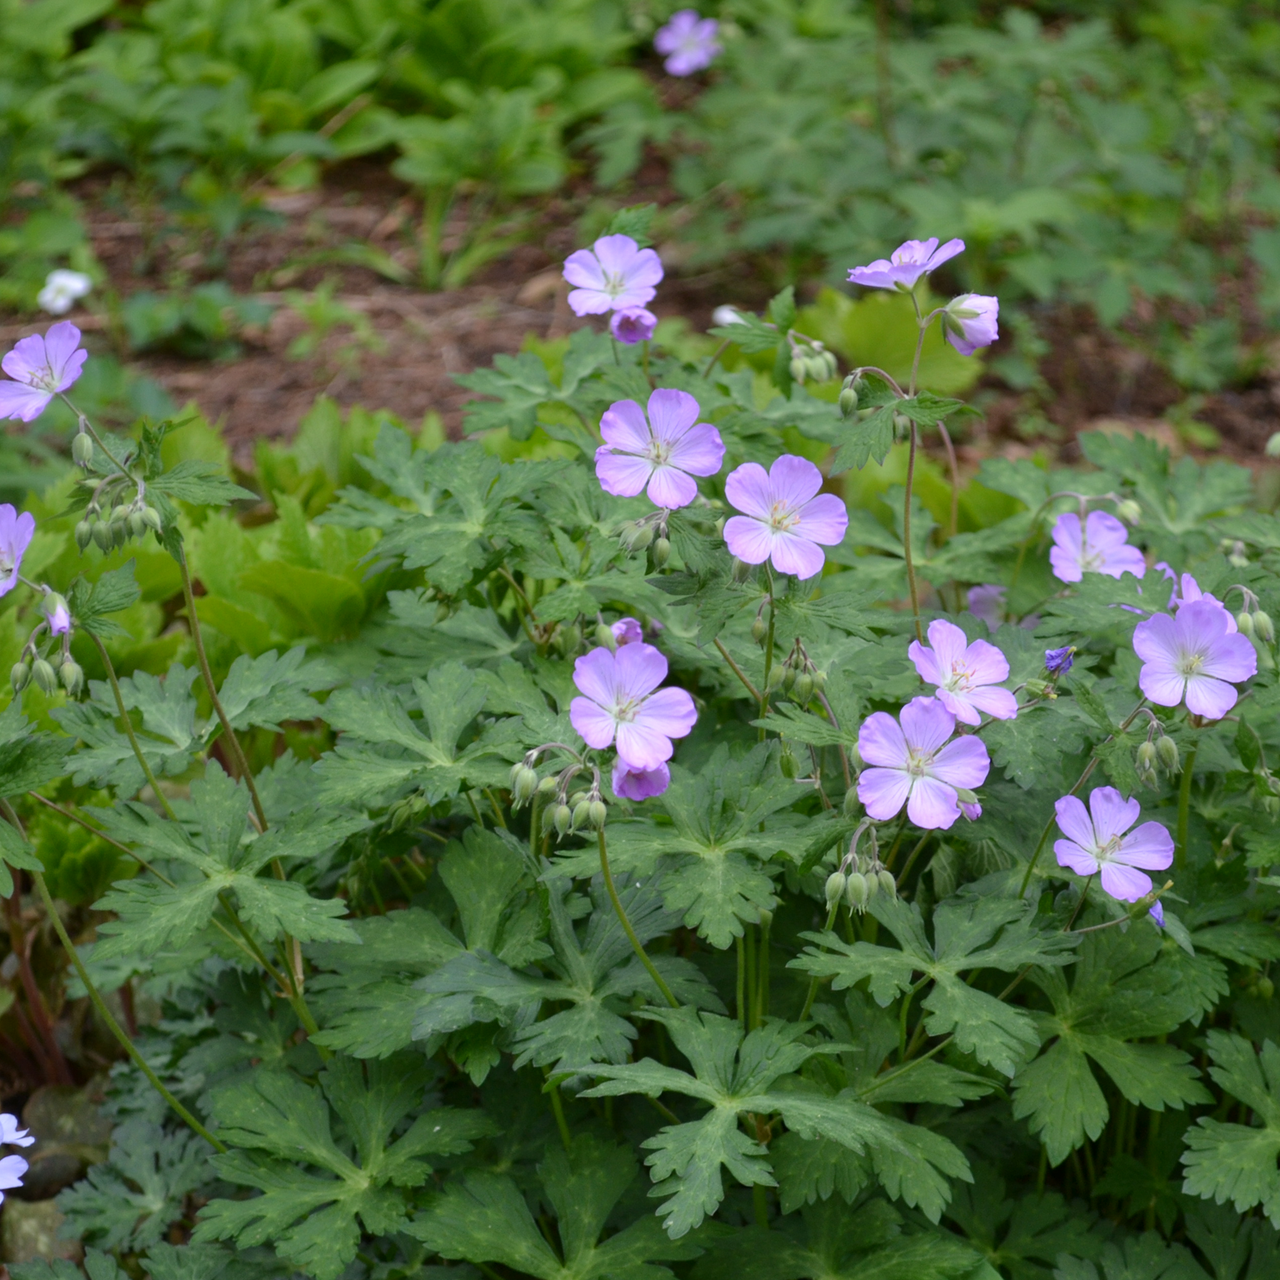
(616, 275)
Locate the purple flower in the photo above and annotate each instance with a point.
(632, 325)
(1097, 845)
(909, 261)
(613, 275)
(986, 603)
(664, 451)
(12, 1133)
(689, 42)
(784, 520)
(967, 675)
(620, 701)
(1157, 913)
(1195, 656)
(969, 322)
(55, 610)
(627, 631)
(12, 1167)
(16, 532)
(1057, 662)
(1103, 549)
(639, 784)
(911, 765)
(40, 367)
(1188, 592)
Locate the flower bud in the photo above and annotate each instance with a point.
(524, 784)
(82, 449)
(137, 525)
(887, 883)
(850, 806)
(44, 675)
(803, 690)
(777, 674)
(578, 797)
(636, 536)
(20, 676)
(741, 570)
(103, 536)
(789, 674)
(759, 630)
(581, 815)
(799, 367)
(547, 785)
(605, 637)
(1244, 620)
(873, 883)
(1265, 987)
(151, 518)
(72, 676)
(1167, 751)
(966, 796)
(1238, 557)
(857, 891)
(1273, 446)
(661, 552)
(562, 818)
(829, 359)
(815, 367)
(84, 534)
(787, 762)
(1146, 760)
(569, 638)
(1129, 511)
(1036, 687)
(837, 883)
(848, 402)
(1263, 627)
(119, 513)
(819, 681)
(597, 813)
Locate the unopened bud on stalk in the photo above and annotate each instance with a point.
(570, 638)
(967, 796)
(1244, 620)
(562, 818)
(547, 785)
(581, 815)
(597, 814)
(777, 675)
(20, 676)
(84, 534)
(887, 883)
(1146, 761)
(151, 518)
(873, 884)
(119, 513)
(524, 782)
(759, 630)
(837, 883)
(803, 690)
(1263, 627)
(848, 402)
(819, 681)
(1167, 751)
(636, 536)
(1129, 511)
(605, 637)
(858, 891)
(788, 675)
(1265, 987)
(661, 552)
(44, 676)
(137, 525)
(741, 570)
(72, 677)
(578, 797)
(82, 449)
(1273, 446)
(103, 536)
(1036, 687)
(787, 762)
(1238, 557)
(850, 805)
(799, 367)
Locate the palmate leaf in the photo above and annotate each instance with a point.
(1116, 996)
(92, 603)
(28, 758)
(219, 859)
(371, 1001)
(281, 1128)
(130, 1200)
(831, 1242)
(717, 878)
(594, 977)
(969, 933)
(376, 723)
(1237, 1162)
(1145, 1257)
(737, 1075)
(484, 1218)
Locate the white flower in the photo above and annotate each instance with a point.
(62, 289)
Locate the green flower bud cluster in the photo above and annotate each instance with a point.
(811, 361)
(1257, 625)
(850, 393)
(1159, 751)
(115, 527)
(47, 674)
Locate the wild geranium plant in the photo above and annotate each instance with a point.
(597, 903)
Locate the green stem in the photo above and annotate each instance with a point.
(233, 742)
(762, 972)
(740, 948)
(768, 651)
(749, 964)
(914, 854)
(557, 1106)
(760, 1203)
(636, 944)
(906, 535)
(738, 671)
(813, 982)
(1184, 812)
(954, 467)
(112, 1025)
(97, 439)
(128, 727)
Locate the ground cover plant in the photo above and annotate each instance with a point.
(634, 840)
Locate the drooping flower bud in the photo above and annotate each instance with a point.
(661, 552)
(858, 891)
(524, 783)
(55, 610)
(103, 536)
(72, 676)
(1057, 662)
(837, 883)
(82, 449)
(151, 518)
(84, 534)
(1167, 751)
(1146, 761)
(851, 802)
(1129, 511)
(799, 368)
(20, 676)
(605, 636)
(759, 630)
(636, 536)
(597, 814)
(44, 676)
(581, 815)
(887, 883)
(1263, 627)
(777, 674)
(1244, 621)
(1273, 446)
(563, 818)
(803, 690)
(547, 785)
(848, 402)
(787, 762)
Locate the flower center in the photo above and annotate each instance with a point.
(625, 710)
(7, 561)
(918, 762)
(1090, 561)
(1189, 664)
(961, 678)
(659, 451)
(782, 515)
(614, 284)
(1108, 851)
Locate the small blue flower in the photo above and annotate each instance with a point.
(1058, 661)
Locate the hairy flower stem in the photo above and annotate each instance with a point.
(229, 734)
(906, 535)
(557, 1108)
(112, 1025)
(1184, 813)
(740, 1007)
(1080, 781)
(912, 856)
(954, 467)
(738, 671)
(768, 652)
(749, 969)
(150, 776)
(636, 944)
